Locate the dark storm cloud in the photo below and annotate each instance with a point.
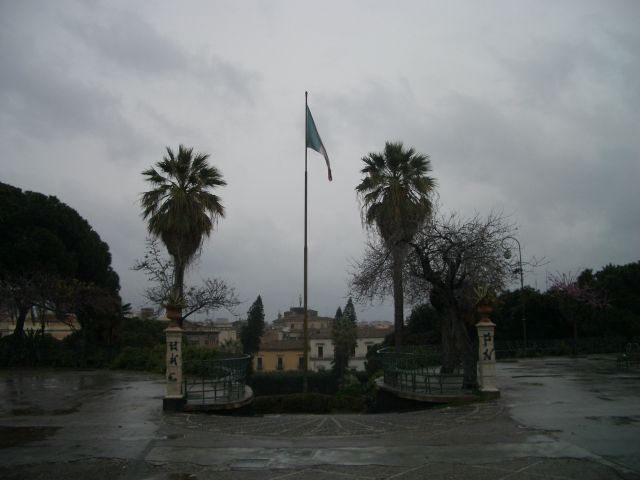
(526, 108)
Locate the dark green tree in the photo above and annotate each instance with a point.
(350, 311)
(254, 329)
(344, 336)
(423, 326)
(395, 195)
(180, 208)
(44, 241)
(577, 300)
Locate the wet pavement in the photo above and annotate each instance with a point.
(557, 418)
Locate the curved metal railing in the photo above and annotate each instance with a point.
(417, 370)
(218, 381)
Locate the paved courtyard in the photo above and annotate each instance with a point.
(558, 418)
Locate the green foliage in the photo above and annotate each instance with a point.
(29, 350)
(395, 191)
(344, 335)
(180, 207)
(46, 244)
(615, 285)
(150, 359)
(280, 383)
(373, 364)
(42, 235)
(423, 326)
(350, 311)
(134, 332)
(396, 199)
(197, 360)
(254, 329)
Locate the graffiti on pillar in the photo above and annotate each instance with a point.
(486, 338)
(173, 359)
(173, 346)
(487, 354)
(172, 377)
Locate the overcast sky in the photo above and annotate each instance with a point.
(531, 108)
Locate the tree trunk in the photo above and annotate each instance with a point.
(450, 357)
(20, 319)
(178, 276)
(575, 333)
(457, 347)
(398, 296)
(469, 357)
(178, 283)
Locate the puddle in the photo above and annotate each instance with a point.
(40, 411)
(616, 420)
(250, 464)
(16, 436)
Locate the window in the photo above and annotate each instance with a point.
(369, 346)
(300, 363)
(280, 365)
(320, 351)
(259, 363)
(353, 351)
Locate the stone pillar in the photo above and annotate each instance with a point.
(486, 355)
(174, 399)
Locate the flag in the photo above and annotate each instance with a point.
(314, 142)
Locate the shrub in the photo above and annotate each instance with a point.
(281, 383)
(141, 358)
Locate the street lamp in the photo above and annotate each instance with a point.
(507, 254)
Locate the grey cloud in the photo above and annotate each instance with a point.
(130, 43)
(42, 99)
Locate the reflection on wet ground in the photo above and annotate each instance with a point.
(15, 436)
(559, 416)
(587, 401)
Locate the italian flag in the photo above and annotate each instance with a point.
(315, 142)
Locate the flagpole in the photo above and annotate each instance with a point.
(305, 384)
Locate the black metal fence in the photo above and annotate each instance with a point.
(218, 381)
(630, 358)
(417, 370)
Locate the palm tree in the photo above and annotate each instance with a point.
(395, 199)
(180, 208)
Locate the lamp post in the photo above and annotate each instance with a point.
(507, 254)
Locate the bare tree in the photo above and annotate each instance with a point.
(448, 259)
(213, 294)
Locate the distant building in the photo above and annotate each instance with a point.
(279, 355)
(282, 345)
(291, 324)
(208, 334)
(379, 324)
(321, 347)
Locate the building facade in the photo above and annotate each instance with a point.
(279, 355)
(209, 334)
(282, 345)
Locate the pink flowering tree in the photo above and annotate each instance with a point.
(575, 297)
